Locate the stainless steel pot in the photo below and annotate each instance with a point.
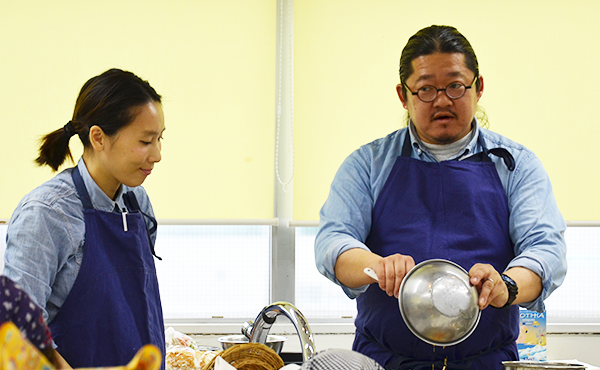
(275, 342)
(437, 302)
(533, 365)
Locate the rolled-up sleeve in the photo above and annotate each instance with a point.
(345, 218)
(536, 227)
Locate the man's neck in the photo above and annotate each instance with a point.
(443, 152)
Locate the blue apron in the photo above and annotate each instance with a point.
(455, 210)
(114, 306)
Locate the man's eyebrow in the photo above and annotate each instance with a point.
(430, 76)
(425, 78)
(456, 74)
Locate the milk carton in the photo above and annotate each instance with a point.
(531, 342)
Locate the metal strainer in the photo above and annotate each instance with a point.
(438, 303)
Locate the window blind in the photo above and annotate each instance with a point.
(212, 61)
(539, 76)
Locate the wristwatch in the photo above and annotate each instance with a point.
(513, 290)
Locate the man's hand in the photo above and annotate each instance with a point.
(493, 290)
(350, 265)
(391, 270)
(489, 284)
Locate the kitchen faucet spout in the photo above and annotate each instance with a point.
(258, 330)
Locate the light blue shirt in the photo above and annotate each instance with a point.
(536, 225)
(46, 235)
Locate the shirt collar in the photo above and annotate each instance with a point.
(418, 147)
(99, 199)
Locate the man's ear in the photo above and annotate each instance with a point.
(401, 95)
(97, 138)
(480, 91)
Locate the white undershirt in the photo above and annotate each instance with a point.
(443, 152)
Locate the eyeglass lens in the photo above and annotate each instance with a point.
(454, 90)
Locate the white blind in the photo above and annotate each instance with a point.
(212, 61)
(537, 60)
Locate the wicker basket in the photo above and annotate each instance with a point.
(249, 356)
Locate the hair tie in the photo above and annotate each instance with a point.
(69, 130)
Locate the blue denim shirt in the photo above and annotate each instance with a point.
(536, 225)
(46, 234)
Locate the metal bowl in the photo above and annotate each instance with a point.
(275, 342)
(438, 303)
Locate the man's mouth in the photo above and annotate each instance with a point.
(443, 116)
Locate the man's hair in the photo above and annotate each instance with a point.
(433, 39)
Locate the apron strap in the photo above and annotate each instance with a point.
(128, 198)
(509, 160)
(132, 204)
(400, 362)
(407, 145)
(81, 190)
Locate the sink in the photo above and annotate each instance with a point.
(291, 358)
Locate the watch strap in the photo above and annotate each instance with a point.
(513, 290)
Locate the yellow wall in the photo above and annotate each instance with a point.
(214, 63)
(538, 59)
(212, 60)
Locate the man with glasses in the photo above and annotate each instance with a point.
(443, 187)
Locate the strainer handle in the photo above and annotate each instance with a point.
(371, 273)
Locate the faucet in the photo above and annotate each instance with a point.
(258, 330)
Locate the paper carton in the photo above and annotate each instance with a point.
(531, 342)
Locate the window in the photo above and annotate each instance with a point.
(577, 300)
(316, 296)
(212, 271)
(217, 273)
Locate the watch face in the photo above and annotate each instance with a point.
(510, 283)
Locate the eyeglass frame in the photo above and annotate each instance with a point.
(444, 90)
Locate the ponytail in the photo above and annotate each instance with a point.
(54, 149)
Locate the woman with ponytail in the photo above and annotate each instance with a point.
(82, 244)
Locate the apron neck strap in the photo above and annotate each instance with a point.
(81, 190)
(508, 159)
(132, 204)
(407, 145)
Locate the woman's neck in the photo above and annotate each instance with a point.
(105, 182)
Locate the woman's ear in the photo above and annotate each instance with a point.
(97, 138)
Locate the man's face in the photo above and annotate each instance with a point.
(443, 120)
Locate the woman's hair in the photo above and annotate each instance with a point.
(109, 101)
(429, 40)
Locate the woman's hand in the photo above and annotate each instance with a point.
(489, 284)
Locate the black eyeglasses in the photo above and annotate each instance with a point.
(454, 90)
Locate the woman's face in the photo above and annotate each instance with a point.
(129, 156)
